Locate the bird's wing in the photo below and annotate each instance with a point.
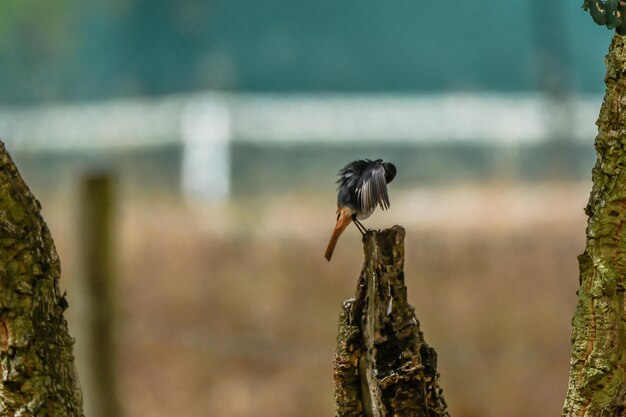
(372, 188)
(349, 178)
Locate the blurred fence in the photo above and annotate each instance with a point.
(207, 126)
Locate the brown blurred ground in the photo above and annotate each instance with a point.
(231, 310)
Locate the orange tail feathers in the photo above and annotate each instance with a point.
(344, 218)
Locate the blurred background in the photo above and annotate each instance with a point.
(222, 125)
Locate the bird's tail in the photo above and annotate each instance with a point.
(344, 217)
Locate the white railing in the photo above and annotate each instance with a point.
(207, 123)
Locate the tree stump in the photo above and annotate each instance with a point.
(383, 367)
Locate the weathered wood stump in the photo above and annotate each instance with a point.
(383, 366)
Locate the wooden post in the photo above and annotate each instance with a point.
(98, 351)
(383, 367)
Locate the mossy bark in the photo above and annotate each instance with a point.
(38, 373)
(597, 375)
(383, 367)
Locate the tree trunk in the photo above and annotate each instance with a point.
(383, 366)
(38, 373)
(597, 375)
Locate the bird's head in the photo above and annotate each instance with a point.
(390, 171)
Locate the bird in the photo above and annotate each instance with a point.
(362, 187)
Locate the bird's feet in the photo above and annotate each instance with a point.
(359, 226)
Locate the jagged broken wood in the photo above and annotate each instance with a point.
(383, 367)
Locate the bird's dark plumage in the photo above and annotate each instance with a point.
(362, 187)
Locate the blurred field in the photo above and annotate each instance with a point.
(231, 310)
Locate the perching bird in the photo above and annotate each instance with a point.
(362, 187)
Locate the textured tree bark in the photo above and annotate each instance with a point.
(597, 375)
(38, 374)
(383, 367)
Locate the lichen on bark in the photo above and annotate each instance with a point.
(383, 367)
(36, 360)
(597, 375)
